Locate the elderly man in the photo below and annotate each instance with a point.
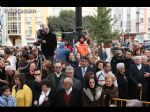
(70, 73)
(56, 76)
(139, 76)
(68, 96)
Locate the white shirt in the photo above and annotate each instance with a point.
(84, 71)
(101, 79)
(68, 91)
(12, 60)
(43, 95)
(58, 75)
(139, 66)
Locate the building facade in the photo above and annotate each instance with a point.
(132, 22)
(20, 24)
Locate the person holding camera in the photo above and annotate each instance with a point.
(48, 42)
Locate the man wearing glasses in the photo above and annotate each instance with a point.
(56, 76)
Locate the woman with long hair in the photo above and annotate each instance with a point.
(21, 92)
(91, 94)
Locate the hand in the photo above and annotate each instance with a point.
(37, 79)
(43, 41)
(139, 85)
(146, 74)
(35, 102)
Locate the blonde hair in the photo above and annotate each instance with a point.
(109, 77)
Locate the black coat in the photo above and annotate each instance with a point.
(79, 76)
(127, 63)
(35, 88)
(50, 45)
(74, 101)
(53, 82)
(136, 78)
(51, 98)
(122, 86)
(2, 77)
(115, 60)
(107, 94)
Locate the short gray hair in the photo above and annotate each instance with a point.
(120, 65)
(68, 79)
(69, 68)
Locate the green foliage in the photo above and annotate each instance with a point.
(65, 22)
(87, 23)
(53, 23)
(101, 26)
(67, 18)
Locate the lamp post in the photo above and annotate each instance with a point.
(78, 21)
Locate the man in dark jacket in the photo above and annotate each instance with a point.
(139, 76)
(56, 76)
(118, 58)
(49, 43)
(70, 73)
(81, 72)
(35, 86)
(68, 96)
(128, 61)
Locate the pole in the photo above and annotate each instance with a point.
(78, 21)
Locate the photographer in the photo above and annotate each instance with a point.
(48, 42)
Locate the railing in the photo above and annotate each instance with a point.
(117, 102)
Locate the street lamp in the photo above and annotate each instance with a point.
(78, 21)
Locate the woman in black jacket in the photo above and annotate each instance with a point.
(122, 81)
(109, 91)
(91, 95)
(47, 95)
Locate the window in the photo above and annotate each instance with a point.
(39, 13)
(14, 23)
(137, 27)
(141, 20)
(148, 20)
(39, 19)
(148, 29)
(148, 36)
(29, 18)
(29, 31)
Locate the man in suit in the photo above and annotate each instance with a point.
(139, 76)
(81, 72)
(68, 96)
(70, 73)
(56, 76)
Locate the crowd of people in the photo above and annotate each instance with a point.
(78, 75)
